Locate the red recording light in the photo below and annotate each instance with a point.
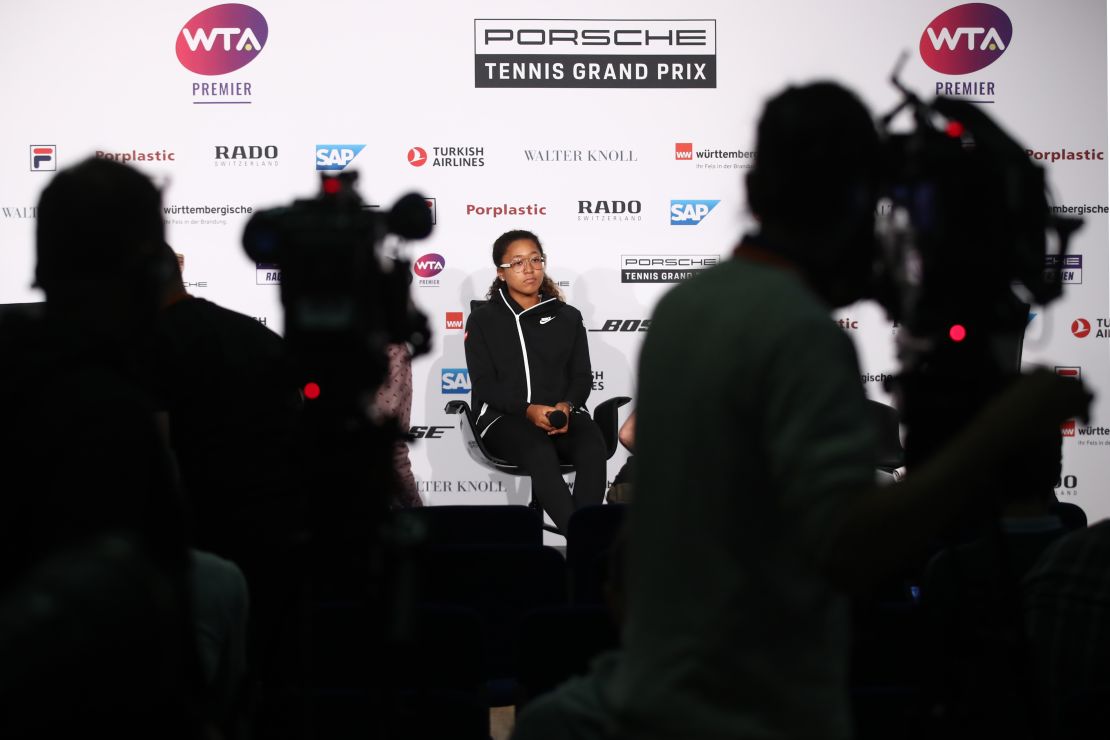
(957, 333)
(955, 129)
(332, 186)
(311, 391)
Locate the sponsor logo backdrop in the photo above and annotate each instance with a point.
(602, 129)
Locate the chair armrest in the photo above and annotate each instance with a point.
(457, 407)
(605, 415)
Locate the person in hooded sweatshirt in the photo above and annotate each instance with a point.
(527, 355)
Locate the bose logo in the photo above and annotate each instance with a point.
(333, 157)
(690, 212)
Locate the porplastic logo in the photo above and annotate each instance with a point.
(1080, 328)
(966, 38)
(221, 39)
(429, 265)
(418, 157)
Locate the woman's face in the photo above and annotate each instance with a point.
(527, 280)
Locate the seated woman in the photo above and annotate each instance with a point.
(527, 355)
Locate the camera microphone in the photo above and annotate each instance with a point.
(557, 418)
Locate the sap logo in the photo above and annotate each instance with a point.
(965, 38)
(625, 325)
(221, 39)
(429, 265)
(690, 212)
(336, 156)
(454, 320)
(428, 432)
(684, 151)
(454, 380)
(44, 158)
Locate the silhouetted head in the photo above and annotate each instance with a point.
(814, 186)
(99, 240)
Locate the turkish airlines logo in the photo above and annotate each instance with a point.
(221, 39)
(417, 157)
(966, 38)
(1081, 328)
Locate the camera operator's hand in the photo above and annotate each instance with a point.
(537, 414)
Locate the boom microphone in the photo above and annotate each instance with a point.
(557, 418)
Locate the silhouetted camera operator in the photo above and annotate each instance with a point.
(745, 536)
(95, 624)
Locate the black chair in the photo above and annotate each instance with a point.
(501, 584)
(605, 416)
(892, 457)
(557, 643)
(492, 524)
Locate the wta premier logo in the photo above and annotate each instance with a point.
(221, 39)
(966, 38)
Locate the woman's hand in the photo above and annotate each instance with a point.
(537, 414)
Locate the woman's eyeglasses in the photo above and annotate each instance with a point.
(537, 263)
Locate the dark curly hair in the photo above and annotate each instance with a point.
(501, 245)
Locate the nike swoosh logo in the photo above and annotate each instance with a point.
(545, 319)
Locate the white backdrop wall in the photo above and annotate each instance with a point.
(386, 79)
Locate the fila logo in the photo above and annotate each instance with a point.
(545, 319)
(417, 157)
(454, 320)
(684, 151)
(44, 158)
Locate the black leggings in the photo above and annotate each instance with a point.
(522, 443)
